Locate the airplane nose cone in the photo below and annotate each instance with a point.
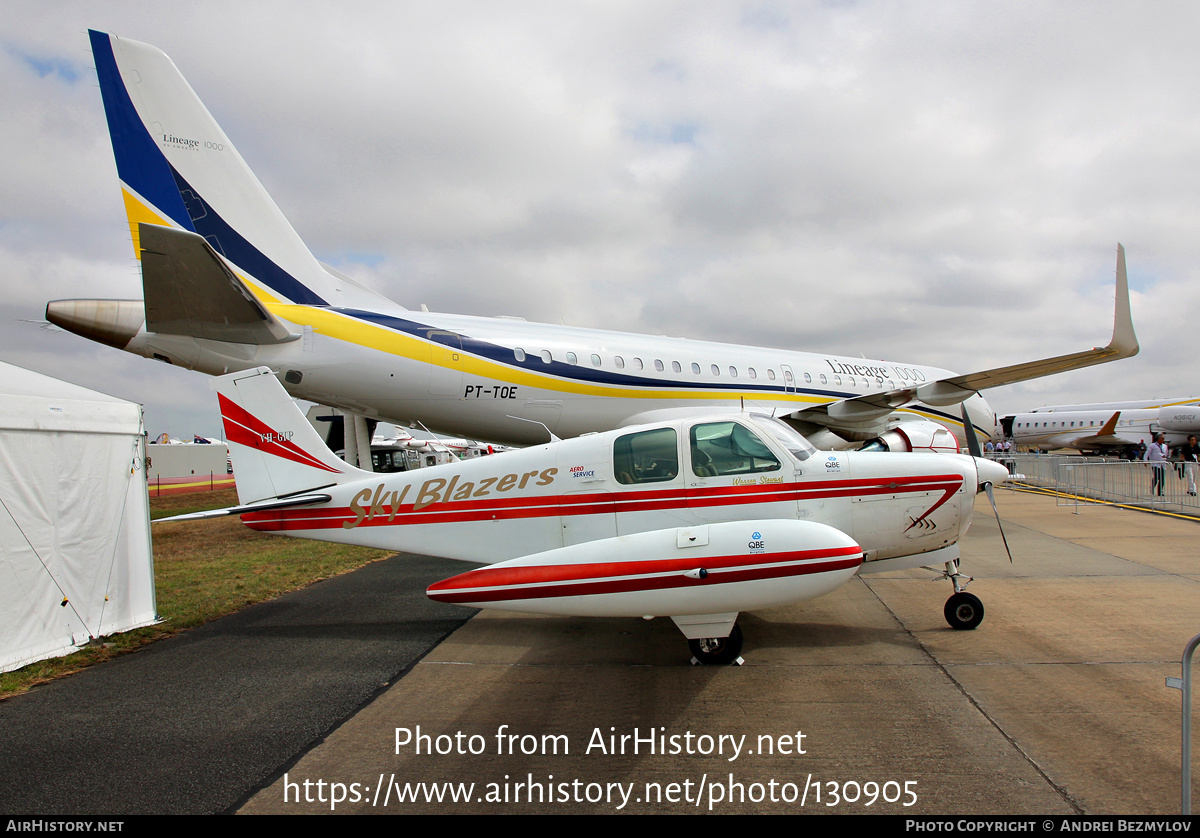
(989, 471)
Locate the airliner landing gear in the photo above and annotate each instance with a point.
(718, 651)
(963, 611)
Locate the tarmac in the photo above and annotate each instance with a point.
(1056, 704)
(863, 701)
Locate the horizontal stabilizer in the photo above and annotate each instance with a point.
(281, 503)
(189, 290)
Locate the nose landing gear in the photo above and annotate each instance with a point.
(963, 611)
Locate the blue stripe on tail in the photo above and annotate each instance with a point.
(140, 163)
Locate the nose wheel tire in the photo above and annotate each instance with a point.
(718, 651)
(963, 611)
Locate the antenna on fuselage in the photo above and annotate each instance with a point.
(553, 438)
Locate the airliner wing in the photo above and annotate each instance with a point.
(1123, 345)
(948, 391)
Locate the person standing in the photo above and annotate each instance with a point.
(1191, 462)
(1156, 454)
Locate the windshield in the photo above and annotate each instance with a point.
(786, 435)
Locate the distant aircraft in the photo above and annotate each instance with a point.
(696, 519)
(361, 442)
(1138, 404)
(228, 285)
(1100, 427)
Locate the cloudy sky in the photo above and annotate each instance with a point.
(934, 182)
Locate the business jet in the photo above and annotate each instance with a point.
(1138, 404)
(1103, 428)
(696, 518)
(228, 285)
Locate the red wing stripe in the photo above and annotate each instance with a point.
(644, 583)
(529, 574)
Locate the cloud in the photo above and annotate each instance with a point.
(934, 182)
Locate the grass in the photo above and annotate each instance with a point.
(204, 570)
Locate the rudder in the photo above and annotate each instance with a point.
(275, 451)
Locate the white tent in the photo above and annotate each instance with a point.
(75, 557)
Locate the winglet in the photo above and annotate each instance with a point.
(1124, 341)
(1123, 345)
(1110, 427)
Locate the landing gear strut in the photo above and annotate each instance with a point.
(718, 651)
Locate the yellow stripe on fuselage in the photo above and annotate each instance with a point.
(372, 336)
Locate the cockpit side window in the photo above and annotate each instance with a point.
(646, 457)
(720, 448)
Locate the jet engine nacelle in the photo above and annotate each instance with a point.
(1184, 418)
(709, 569)
(916, 436)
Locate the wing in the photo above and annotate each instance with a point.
(863, 410)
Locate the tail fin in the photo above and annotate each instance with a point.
(178, 169)
(275, 451)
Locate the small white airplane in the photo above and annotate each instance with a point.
(696, 519)
(1100, 427)
(228, 285)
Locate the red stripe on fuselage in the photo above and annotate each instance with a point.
(600, 503)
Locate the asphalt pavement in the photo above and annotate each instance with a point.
(861, 701)
(195, 723)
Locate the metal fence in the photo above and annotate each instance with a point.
(1120, 481)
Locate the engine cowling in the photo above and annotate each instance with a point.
(1184, 418)
(915, 436)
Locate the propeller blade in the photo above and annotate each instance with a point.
(987, 487)
(969, 431)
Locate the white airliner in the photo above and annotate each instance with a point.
(228, 285)
(1100, 427)
(696, 519)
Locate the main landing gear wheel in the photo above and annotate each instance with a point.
(963, 611)
(718, 651)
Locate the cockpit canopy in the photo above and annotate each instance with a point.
(715, 449)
